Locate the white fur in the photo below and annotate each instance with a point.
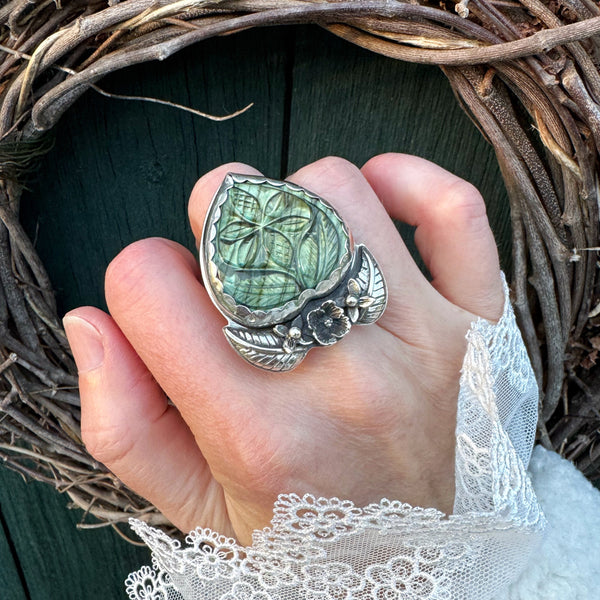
(567, 564)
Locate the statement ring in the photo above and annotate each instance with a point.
(280, 264)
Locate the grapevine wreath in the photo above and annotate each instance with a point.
(527, 72)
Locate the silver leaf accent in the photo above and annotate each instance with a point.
(373, 285)
(263, 349)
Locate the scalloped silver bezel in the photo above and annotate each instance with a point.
(224, 302)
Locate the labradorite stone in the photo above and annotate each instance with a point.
(272, 242)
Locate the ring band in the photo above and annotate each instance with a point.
(280, 264)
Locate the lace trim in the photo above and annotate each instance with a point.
(330, 549)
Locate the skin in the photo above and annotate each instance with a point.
(372, 416)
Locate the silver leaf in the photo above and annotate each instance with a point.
(263, 349)
(373, 285)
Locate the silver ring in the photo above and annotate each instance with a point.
(280, 264)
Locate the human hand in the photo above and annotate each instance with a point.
(372, 416)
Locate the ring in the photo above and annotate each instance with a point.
(280, 264)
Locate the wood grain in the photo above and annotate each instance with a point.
(10, 577)
(59, 561)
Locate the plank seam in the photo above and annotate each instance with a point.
(13, 551)
(290, 60)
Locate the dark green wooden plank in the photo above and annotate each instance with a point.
(58, 561)
(122, 171)
(11, 586)
(353, 103)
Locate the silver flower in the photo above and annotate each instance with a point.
(292, 336)
(355, 300)
(328, 323)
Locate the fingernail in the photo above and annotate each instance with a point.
(86, 343)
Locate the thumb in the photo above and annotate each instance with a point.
(128, 424)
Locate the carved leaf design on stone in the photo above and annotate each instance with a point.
(272, 242)
(264, 289)
(316, 260)
(327, 238)
(281, 251)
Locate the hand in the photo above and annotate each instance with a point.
(372, 416)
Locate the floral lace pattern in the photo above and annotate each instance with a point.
(330, 549)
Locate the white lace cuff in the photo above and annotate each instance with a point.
(330, 549)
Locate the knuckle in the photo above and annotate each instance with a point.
(337, 168)
(461, 202)
(107, 444)
(261, 462)
(386, 159)
(127, 263)
(378, 414)
(126, 274)
(261, 456)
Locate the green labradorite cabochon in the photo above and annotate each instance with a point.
(270, 246)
